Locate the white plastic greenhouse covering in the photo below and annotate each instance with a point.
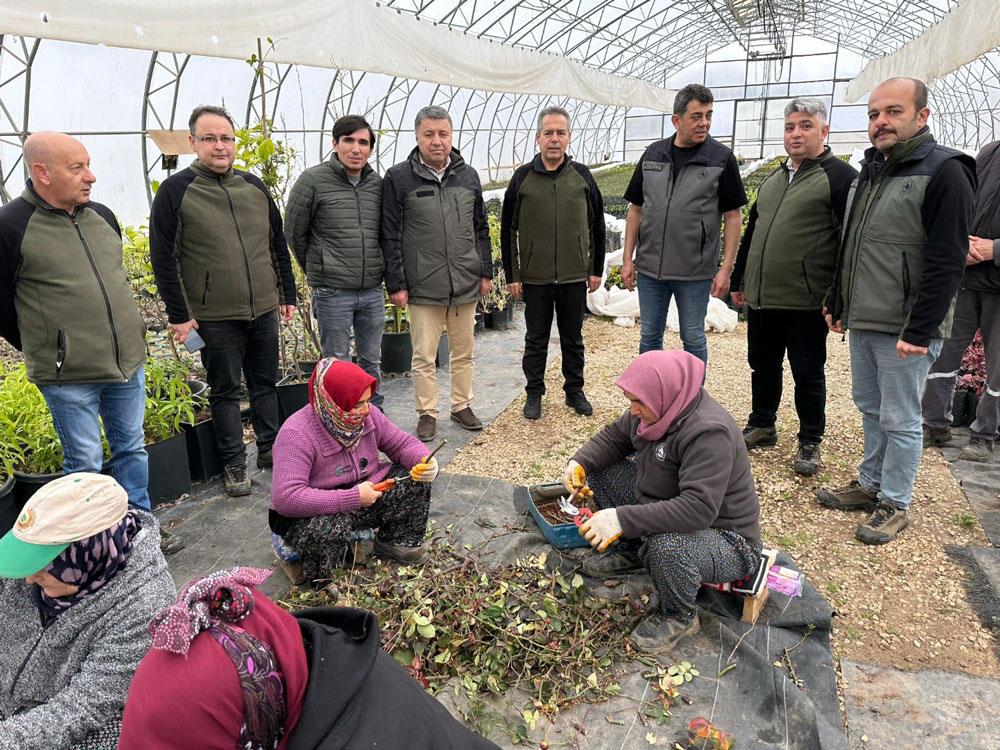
(971, 29)
(347, 34)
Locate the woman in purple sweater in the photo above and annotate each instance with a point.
(326, 461)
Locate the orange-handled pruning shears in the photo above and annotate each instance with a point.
(388, 484)
(579, 514)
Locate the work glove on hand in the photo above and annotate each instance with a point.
(602, 528)
(575, 478)
(425, 471)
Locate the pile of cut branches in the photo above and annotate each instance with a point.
(489, 629)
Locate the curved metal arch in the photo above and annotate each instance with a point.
(163, 79)
(399, 91)
(343, 86)
(18, 130)
(274, 75)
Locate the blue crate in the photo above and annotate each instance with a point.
(560, 536)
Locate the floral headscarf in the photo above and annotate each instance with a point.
(335, 388)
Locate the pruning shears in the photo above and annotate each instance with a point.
(388, 484)
(580, 515)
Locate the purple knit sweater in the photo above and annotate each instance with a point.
(314, 475)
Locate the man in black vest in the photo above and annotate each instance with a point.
(977, 308)
(552, 241)
(683, 188)
(332, 223)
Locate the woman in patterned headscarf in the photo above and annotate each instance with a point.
(230, 669)
(80, 576)
(326, 461)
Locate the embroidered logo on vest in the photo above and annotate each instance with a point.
(661, 452)
(702, 174)
(652, 166)
(907, 187)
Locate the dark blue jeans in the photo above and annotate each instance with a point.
(250, 347)
(692, 305)
(337, 311)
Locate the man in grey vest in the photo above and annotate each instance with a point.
(783, 269)
(331, 223)
(901, 260)
(977, 308)
(682, 189)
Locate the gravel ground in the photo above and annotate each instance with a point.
(902, 605)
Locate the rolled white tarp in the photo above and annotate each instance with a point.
(966, 32)
(345, 35)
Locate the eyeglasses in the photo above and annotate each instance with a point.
(211, 140)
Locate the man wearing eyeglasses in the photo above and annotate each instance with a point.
(222, 267)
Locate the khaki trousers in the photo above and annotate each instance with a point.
(426, 322)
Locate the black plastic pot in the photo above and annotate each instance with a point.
(397, 353)
(204, 461)
(480, 322)
(26, 485)
(443, 354)
(169, 473)
(292, 396)
(497, 319)
(8, 506)
(199, 392)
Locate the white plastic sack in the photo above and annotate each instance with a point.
(718, 317)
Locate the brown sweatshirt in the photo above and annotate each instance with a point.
(697, 476)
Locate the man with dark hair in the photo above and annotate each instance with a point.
(222, 267)
(683, 189)
(905, 242)
(785, 265)
(332, 224)
(977, 308)
(552, 241)
(438, 262)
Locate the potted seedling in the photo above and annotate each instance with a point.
(397, 349)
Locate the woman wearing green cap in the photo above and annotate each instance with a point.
(80, 577)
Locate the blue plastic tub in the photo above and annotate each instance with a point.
(560, 536)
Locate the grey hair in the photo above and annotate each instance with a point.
(208, 109)
(809, 106)
(433, 112)
(553, 110)
(688, 94)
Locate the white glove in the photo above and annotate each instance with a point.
(425, 471)
(575, 478)
(602, 528)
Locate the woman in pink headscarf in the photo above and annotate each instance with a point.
(685, 505)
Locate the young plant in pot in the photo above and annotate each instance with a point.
(30, 451)
(397, 349)
(169, 406)
(496, 305)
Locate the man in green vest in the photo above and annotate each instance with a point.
(901, 262)
(783, 269)
(552, 243)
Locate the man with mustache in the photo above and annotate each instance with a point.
(682, 189)
(901, 261)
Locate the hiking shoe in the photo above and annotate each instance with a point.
(609, 564)
(533, 406)
(936, 435)
(426, 427)
(237, 481)
(886, 521)
(406, 555)
(658, 634)
(265, 459)
(578, 401)
(808, 459)
(170, 543)
(757, 437)
(851, 497)
(467, 419)
(978, 449)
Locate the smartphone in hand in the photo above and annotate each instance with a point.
(194, 341)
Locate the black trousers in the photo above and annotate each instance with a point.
(250, 348)
(802, 333)
(569, 302)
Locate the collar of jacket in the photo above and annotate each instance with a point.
(414, 158)
(913, 149)
(31, 195)
(698, 157)
(202, 171)
(809, 163)
(537, 165)
(338, 167)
